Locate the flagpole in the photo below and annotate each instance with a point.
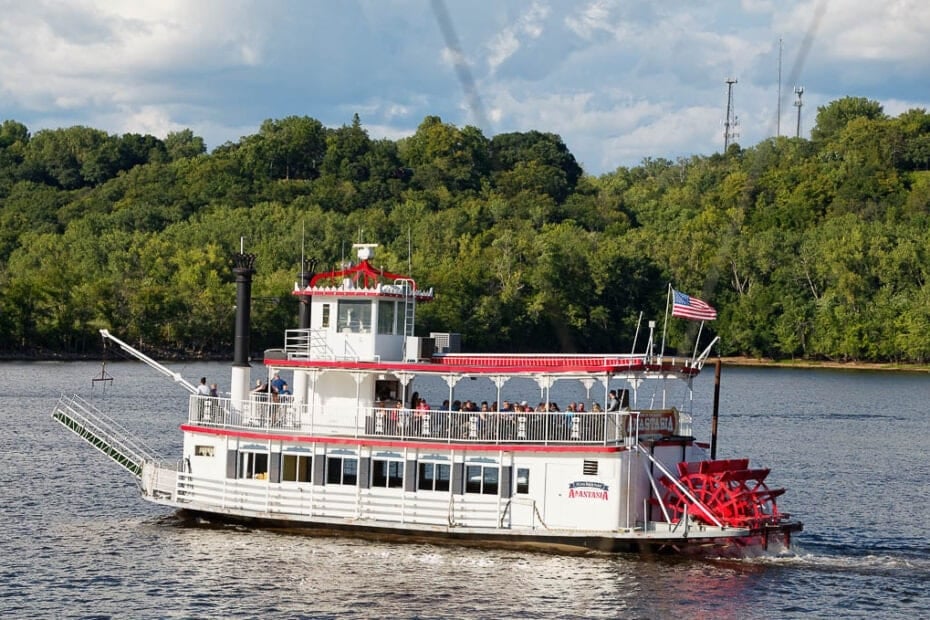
(668, 298)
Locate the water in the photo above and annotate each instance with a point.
(851, 447)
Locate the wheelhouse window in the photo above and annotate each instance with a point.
(253, 465)
(341, 470)
(387, 473)
(325, 317)
(434, 476)
(483, 479)
(354, 316)
(523, 480)
(386, 313)
(296, 467)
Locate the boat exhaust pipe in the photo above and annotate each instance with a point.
(303, 322)
(303, 278)
(243, 269)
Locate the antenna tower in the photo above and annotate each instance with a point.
(778, 104)
(798, 90)
(729, 126)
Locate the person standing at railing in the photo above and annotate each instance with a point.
(203, 390)
(613, 403)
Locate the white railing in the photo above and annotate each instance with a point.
(339, 502)
(283, 414)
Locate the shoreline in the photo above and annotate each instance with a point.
(821, 364)
(732, 361)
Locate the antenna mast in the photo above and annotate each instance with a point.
(731, 117)
(778, 107)
(798, 90)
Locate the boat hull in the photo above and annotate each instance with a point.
(740, 543)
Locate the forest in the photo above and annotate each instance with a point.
(811, 249)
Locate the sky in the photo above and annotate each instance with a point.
(619, 81)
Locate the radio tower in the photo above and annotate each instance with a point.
(798, 90)
(731, 121)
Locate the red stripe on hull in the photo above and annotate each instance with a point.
(394, 443)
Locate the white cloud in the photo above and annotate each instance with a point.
(508, 41)
(619, 80)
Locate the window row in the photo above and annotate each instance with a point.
(379, 473)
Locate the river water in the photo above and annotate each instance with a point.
(851, 448)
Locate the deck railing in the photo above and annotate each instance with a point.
(281, 414)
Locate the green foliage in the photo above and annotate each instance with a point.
(812, 249)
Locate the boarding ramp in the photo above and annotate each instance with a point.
(104, 433)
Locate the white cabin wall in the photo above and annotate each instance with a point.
(566, 497)
(202, 465)
(334, 401)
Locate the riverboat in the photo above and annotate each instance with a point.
(348, 446)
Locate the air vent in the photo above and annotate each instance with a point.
(590, 468)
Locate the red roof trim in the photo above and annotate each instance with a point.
(370, 275)
(490, 366)
(396, 443)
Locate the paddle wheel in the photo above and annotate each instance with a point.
(725, 490)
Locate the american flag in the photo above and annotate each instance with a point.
(688, 307)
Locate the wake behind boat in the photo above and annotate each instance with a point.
(349, 446)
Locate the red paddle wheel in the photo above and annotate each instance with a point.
(726, 490)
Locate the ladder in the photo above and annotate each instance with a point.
(103, 433)
(410, 304)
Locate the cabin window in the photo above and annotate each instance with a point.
(203, 450)
(253, 465)
(387, 474)
(354, 316)
(341, 470)
(523, 480)
(482, 479)
(296, 467)
(434, 477)
(325, 319)
(386, 313)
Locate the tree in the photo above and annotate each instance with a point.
(833, 117)
(183, 145)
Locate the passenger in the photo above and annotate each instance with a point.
(202, 389)
(214, 390)
(284, 391)
(277, 383)
(612, 403)
(597, 408)
(414, 400)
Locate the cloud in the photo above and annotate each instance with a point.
(619, 80)
(529, 25)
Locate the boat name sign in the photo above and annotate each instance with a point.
(587, 489)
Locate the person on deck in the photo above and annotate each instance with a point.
(613, 404)
(203, 389)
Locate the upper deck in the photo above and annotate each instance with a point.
(299, 352)
(262, 416)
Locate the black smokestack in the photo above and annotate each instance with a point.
(306, 274)
(243, 268)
